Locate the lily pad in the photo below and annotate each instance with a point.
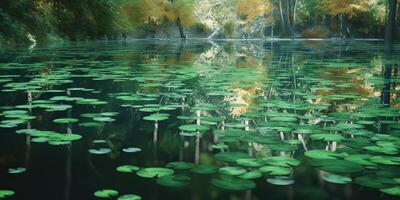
(6, 193)
(152, 172)
(234, 171)
(100, 151)
(16, 170)
(65, 120)
(173, 180)
(338, 179)
(275, 170)
(131, 150)
(231, 183)
(127, 169)
(392, 191)
(280, 161)
(129, 197)
(204, 169)
(280, 180)
(106, 193)
(193, 128)
(249, 162)
(180, 165)
(230, 156)
(253, 174)
(323, 154)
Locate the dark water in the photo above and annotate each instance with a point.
(259, 99)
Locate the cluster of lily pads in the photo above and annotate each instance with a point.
(261, 122)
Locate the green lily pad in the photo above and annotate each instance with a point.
(323, 154)
(230, 156)
(127, 169)
(375, 182)
(392, 191)
(231, 183)
(131, 150)
(173, 180)
(253, 174)
(152, 172)
(249, 162)
(6, 193)
(180, 165)
(193, 128)
(100, 151)
(157, 117)
(280, 161)
(385, 160)
(65, 120)
(275, 170)
(17, 170)
(280, 180)
(129, 197)
(337, 166)
(234, 171)
(327, 137)
(362, 159)
(106, 193)
(204, 169)
(337, 179)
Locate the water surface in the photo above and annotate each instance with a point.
(248, 120)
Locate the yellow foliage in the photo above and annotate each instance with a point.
(345, 7)
(156, 11)
(253, 8)
(314, 32)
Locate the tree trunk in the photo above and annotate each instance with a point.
(181, 29)
(341, 25)
(286, 18)
(294, 15)
(281, 14)
(389, 39)
(390, 26)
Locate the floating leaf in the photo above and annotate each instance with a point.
(65, 120)
(180, 165)
(230, 156)
(129, 197)
(280, 180)
(275, 170)
(234, 171)
(127, 168)
(231, 183)
(338, 179)
(131, 150)
(323, 154)
(204, 169)
(6, 193)
(173, 180)
(392, 191)
(106, 193)
(152, 172)
(253, 174)
(16, 170)
(100, 151)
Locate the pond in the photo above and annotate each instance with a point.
(197, 120)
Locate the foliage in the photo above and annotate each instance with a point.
(38, 20)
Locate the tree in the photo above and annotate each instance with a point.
(390, 26)
(255, 14)
(215, 14)
(342, 9)
(158, 12)
(389, 39)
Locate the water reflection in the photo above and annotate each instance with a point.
(260, 99)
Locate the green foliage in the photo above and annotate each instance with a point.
(37, 20)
